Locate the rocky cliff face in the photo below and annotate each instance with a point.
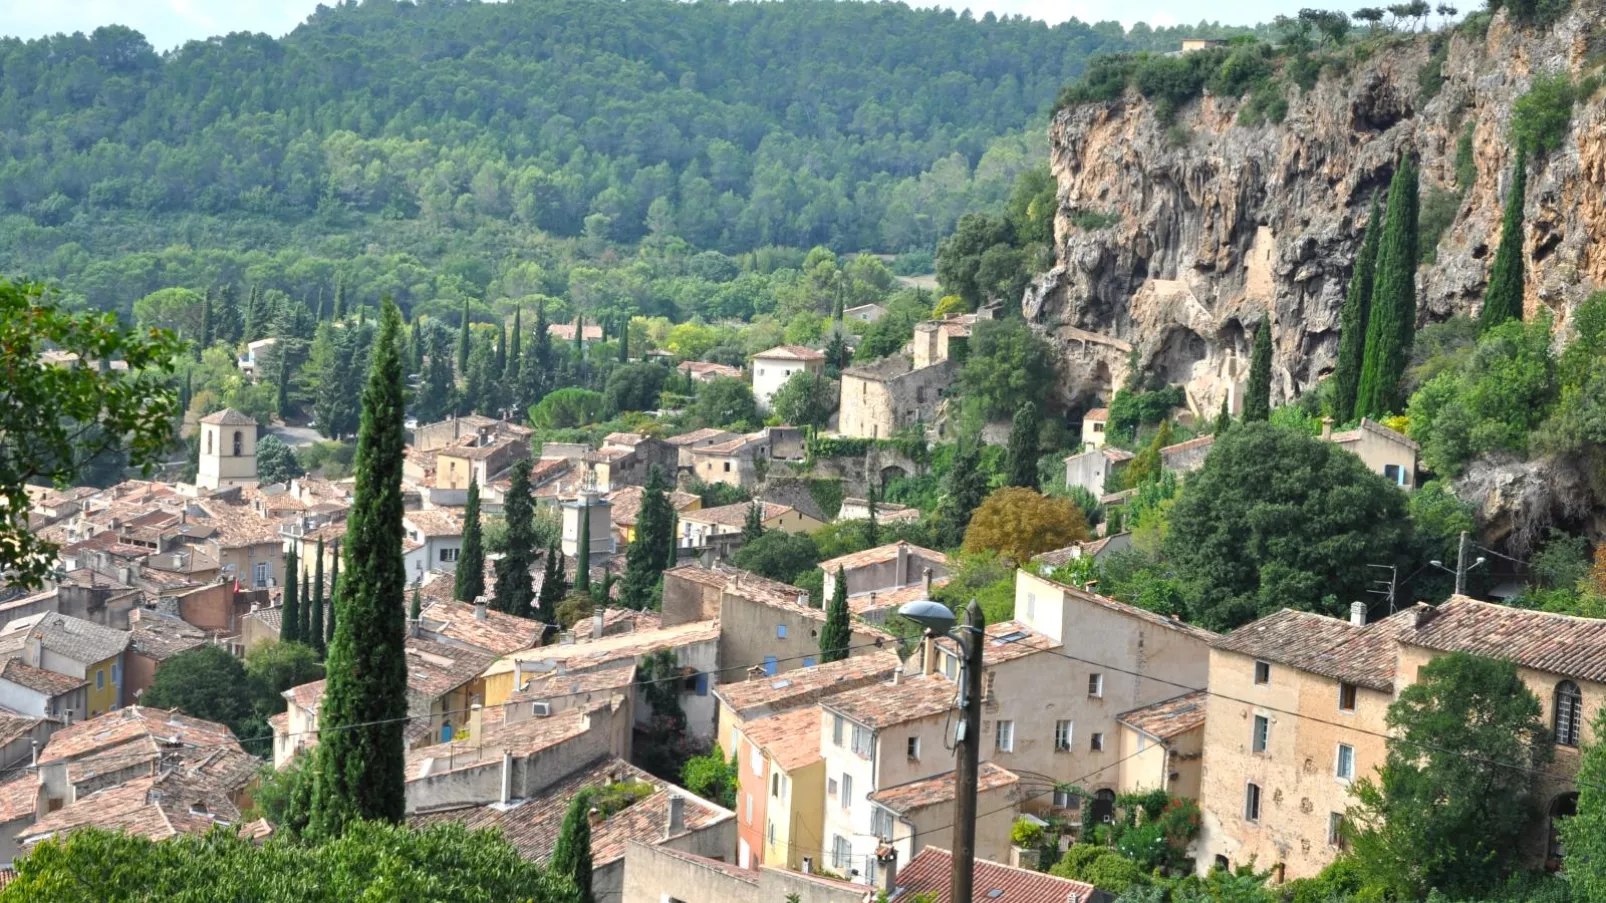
(1241, 223)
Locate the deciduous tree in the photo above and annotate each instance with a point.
(1019, 523)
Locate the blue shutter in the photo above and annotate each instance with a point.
(769, 665)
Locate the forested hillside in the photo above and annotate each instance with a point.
(414, 147)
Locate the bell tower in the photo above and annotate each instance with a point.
(228, 450)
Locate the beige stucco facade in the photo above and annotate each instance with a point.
(1175, 764)
(228, 455)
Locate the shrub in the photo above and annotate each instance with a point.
(1430, 78)
(1077, 858)
(1130, 410)
(1542, 116)
(1466, 162)
(1265, 104)
(1532, 12)
(1093, 220)
(1244, 68)
(1437, 212)
(1026, 834)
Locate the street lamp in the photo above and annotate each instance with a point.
(939, 621)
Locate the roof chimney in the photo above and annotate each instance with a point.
(1357, 610)
(599, 622)
(928, 654)
(897, 675)
(902, 573)
(886, 875)
(803, 600)
(925, 582)
(1327, 429)
(479, 609)
(507, 778)
(677, 816)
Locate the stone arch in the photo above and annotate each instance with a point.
(892, 472)
(1563, 807)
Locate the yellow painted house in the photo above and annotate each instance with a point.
(73, 647)
(781, 777)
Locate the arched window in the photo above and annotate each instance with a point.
(1569, 712)
(238, 442)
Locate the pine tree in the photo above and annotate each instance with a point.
(469, 582)
(1502, 300)
(652, 545)
(515, 589)
(554, 586)
(290, 613)
(836, 634)
(317, 316)
(571, 855)
(753, 524)
(319, 629)
(463, 345)
(1257, 395)
(582, 556)
(1020, 467)
(1223, 419)
(1353, 320)
(361, 764)
(964, 489)
(1391, 324)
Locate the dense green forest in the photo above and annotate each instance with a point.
(439, 150)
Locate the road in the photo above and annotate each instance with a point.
(295, 436)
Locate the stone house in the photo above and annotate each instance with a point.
(948, 339)
(1187, 457)
(883, 568)
(28, 690)
(704, 371)
(473, 428)
(913, 815)
(707, 526)
(1162, 746)
(1097, 549)
(432, 541)
(1095, 426)
(564, 332)
(625, 506)
(654, 874)
(1384, 451)
(760, 695)
(882, 397)
(1096, 467)
(650, 452)
(155, 638)
(75, 648)
(932, 869)
(740, 462)
(772, 368)
(228, 452)
(458, 465)
(686, 444)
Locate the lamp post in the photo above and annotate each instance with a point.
(939, 621)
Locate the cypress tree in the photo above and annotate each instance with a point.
(1020, 467)
(1257, 396)
(1223, 419)
(361, 765)
(510, 372)
(334, 596)
(515, 589)
(463, 344)
(582, 557)
(253, 315)
(964, 489)
(306, 608)
(470, 578)
(319, 636)
(624, 343)
(1391, 324)
(282, 402)
(340, 302)
(290, 614)
(554, 586)
(1502, 300)
(753, 524)
(571, 855)
(206, 321)
(317, 313)
(872, 529)
(1353, 321)
(836, 634)
(227, 320)
(415, 611)
(499, 358)
(651, 545)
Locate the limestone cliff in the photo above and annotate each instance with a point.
(1237, 223)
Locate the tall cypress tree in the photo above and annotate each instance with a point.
(469, 582)
(463, 344)
(361, 769)
(753, 523)
(515, 348)
(306, 608)
(319, 637)
(624, 342)
(571, 855)
(1353, 321)
(872, 527)
(415, 610)
(651, 545)
(1391, 325)
(1257, 395)
(226, 325)
(290, 614)
(499, 358)
(554, 586)
(205, 338)
(515, 588)
(1020, 467)
(1502, 300)
(964, 489)
(582, 556)
(340, 302)
(1223, 419)
(282, 402)
(836, 634)
(334, 596)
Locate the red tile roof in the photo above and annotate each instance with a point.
(884, 705)
(1325, 646)
(879, 555)
(939, 788)
(931, 868)
(792, 738)
(791, 353)
(1559, 644)
(1169, 717)
(156, 807)
(806, 686)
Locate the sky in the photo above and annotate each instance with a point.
(168, 23)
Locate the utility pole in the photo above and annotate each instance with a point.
(967, 748)
(1461, 564)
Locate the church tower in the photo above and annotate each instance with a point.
(228, 450)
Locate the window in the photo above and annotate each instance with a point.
(1346, 697)
(1394, 473)
(830, 786)
(1344, 762)
(260, 573)
(1098, 427)
(950, 666)
(771, 833)
(837, 721)
(847, 790)
(809, 661)
(239, 443)
(727, 467)
(1335, 830)
(749, 808)
(913, 746)
(1004, 736)
(1262, 672)
(1064, 799)
(100, 679)
(702, 685)
(449, 554)
(770, 663)
(117, 673)
(1062, 736)
(840, 852)
(209, 442)
(1252, 802)
(780, 631)
(881, 823)
(863, 741)
(1569, 711)
(1095, 686)
(1031, 605)
(755, 758)
(1262, 734)
(1097, 744)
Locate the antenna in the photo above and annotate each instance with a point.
(1391, 584)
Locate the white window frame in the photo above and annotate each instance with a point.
(1252, 801)
(863, 741)
(845, 799)
(450, 554)
(1259, 734)
(1004, 735)
(837, 724)
(1064, 734)
(1095, 685)
(1338, 763)
(912, 748)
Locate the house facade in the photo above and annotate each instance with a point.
(772, 368)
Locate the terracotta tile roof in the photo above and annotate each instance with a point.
(435, 669)
(791, 353)
(1098, 415)
(608, 454)
(578, 656)
(229, 417)
(544, 470)
(880, 555)
(632, 621)
(39, 680)
(806, 686)
(74, 638)
(14, 727)
(1141, 614)
(521, 738)
(889, 367)
(19, 796)
(709, 370)
(1323, 645)
(565, 331)
(307, 696)
(707, 434)
(729, 870)
(565, 683)
(791, 739)
(160, 637)
(1368, 425)
(930, 870)
(138, 732)
(1169, 717)
(1200, 442)
(156, 807)
(1073, 551)
(877, 600)
(1007, 641)
(626, 503)
(1558, 644)
(435, 522)
(884, 705)
(498, 633)
(730, 446)
(905, 798)
(733, 515)
(236, 525)
(532, 826)
(1116, 455)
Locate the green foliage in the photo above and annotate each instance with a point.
(1102, 867)
(778, 555)
(206, 682)
(1353, 320)
(1430, 78)
(726, 403)
(1146, 466)
(361, 768)
(1439, 209)
(1130, 409)
(57, 419)
(1532, 12)
(653, 547)
(571, 854)
(806, 399)
(634, 386)
(837, 633)
(1391, 323)
(1266, 103)
(712, 777)
(1025, 834)
(1453, 801)
(275, 462)
(1007, 362)
(1542, 116)
(1491, 403)
(567, 408)
(1277, 518)
(828, 494)
(514, 592)
(1502, 299)
(1020, 466)
(982, 260)
(1466, 159)
(1093, 220)
(1584, 835)
(443, 864)
(469, 580)
(1257, 396)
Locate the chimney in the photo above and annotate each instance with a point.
(803, 600)
(33, 759)
(897, 675)
(1357, 611)
(925, 582)
(479, 609)
(1327, 429)
(901, 575)
(808, 865)
(599, 622)
(928, 654)
(886, 875)
(1424, 615)
(507, 778)
(476, 718)
(677, 816)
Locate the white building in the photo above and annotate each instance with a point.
(772, 368)
(228, 450)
